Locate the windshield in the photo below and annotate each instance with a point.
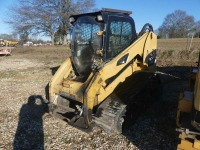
(85, 43)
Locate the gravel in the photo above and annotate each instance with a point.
(24, 123)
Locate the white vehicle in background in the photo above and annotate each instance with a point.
(28, 43)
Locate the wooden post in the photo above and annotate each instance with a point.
(190, 43)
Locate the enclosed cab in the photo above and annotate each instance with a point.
(98, 37)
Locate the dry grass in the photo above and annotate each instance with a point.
(178, 44)
(46, 54)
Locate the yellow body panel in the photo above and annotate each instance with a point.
(184, 105)
(197, 92)
(111, 69)
(10, 43)
(188, 144)
(55, 85)
(73, 88)
(190, 104)
(197, 144)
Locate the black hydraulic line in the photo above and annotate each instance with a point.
(147, 27)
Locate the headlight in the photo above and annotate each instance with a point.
(71, 19)
(99, 18)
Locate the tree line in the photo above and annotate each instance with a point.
(51, 18)
(12, 37)
(179, 25)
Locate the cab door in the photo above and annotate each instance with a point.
(120, 34)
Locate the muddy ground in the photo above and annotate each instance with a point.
(24, 124)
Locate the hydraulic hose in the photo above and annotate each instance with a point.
(146, 28)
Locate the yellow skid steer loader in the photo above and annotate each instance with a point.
(105, 53)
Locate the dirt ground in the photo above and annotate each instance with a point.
(25, 125)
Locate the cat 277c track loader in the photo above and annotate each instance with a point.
(105, 53)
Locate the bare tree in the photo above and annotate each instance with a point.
(34, 17)
(68, 7)
(23, 37)
(177, 24)
(45, 16)
(197, 28)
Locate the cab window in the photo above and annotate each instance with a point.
(120, 37)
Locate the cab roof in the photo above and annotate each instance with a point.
(104, 10)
